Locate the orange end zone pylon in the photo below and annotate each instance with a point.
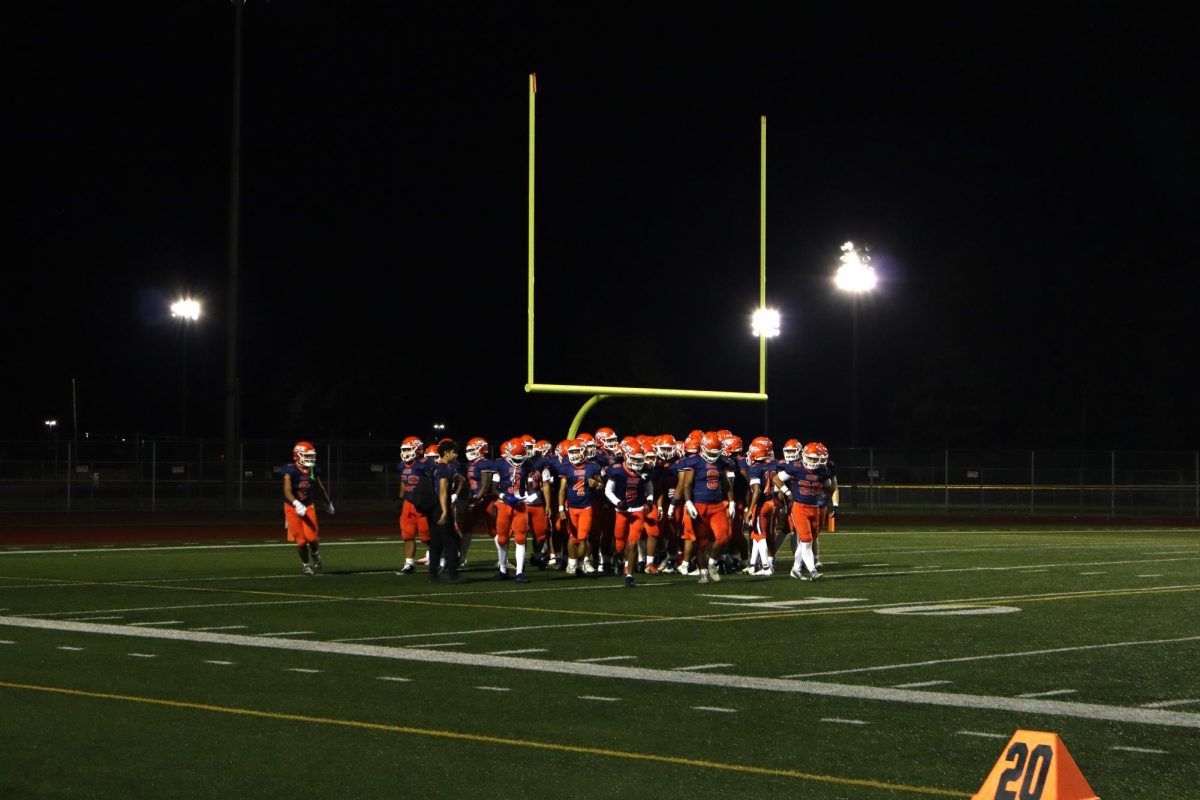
(1035, 765)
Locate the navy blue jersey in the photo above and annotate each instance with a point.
(807, 487)
(302, 484)
(475, 472)
(631, 488)
(706, 486)
(410, 477)
(580, 493)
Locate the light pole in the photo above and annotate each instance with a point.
(186, 311)
(855, 276)
(52, 428)
(764, 324)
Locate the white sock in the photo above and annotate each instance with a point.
(641, 547)
(797, 560)
(408, 562)
(502, 552)
(649, 561)
(806, 551)
(571, 563)
(520, 558)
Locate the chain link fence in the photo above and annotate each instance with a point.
(163, 474)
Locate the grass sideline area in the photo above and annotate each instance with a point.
(210, 667)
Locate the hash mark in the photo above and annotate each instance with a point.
(603, 658)
(1140, 750)
(1050, 693)
(844, 721)
(714, 708)
(984, 735)
(599, 699)
(493, 688)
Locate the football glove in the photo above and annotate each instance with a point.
(329, 508)
(731, 509)
(301, 509)
(833, 511)
(690, 508)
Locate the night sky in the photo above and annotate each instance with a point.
(1025, 178)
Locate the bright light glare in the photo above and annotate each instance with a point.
(765, 322)
(856, 273)
(186, 309)
(51, 423)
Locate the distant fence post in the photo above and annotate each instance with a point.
(1112, 481)
(241, 472)
(946, 499)
(154, 476)
(70, 469)
(1031, 481)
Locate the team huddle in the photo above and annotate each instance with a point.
(601, 504)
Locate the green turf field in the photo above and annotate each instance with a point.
(219, 671)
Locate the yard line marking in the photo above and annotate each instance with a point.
(715, 708)
(598, 699)
(304, 670)
(807, 601)
(876, 565)
(986, 735)
(698, 667)
(1031, 571)
(1019, 654)
(172, 608)
(844, 721)
(1125, 714)
(95, 619)
(286, 633)
(438, 644)
(221, 628)
(919, 684)
(142, 655)
(1170, 703)
(518, 652)
(603, 659)
(69, 648)
(1140, 750)
(1051, 693)
(394, 678)
(493, 688)
(1159, 575)
(505, 741)
(737, 596)
(159, 622)
(7, 641)
(1102, 572)
(220, 663)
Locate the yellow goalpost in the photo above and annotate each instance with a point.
(598, 393)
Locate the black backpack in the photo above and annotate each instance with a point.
(425, 497)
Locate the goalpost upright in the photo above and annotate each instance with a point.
(601, 392)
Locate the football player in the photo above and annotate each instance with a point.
(577, 485)
(760, 507)
(802, 485)
(538, 489)
(708, 500)
(481, 509)
(298, 509)
(512, 511)
(830, 508)
(413, 522)
(630, 491)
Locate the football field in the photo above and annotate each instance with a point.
(216, 670)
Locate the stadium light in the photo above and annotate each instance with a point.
(765, 322)
(855, 275)
(439, 426)
(51, 424)
(186, 308)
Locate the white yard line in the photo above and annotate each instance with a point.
(222, 628)
(1140, 750)
(178, 607)
(304, 670)
(69, 648)
(1102, 572)
(438, 644)
(598, 699)
(158, 622)
(602, 659)
(844, 721)
(1051, 693)
(142, 655)
(493, 689)
(1171, 703)
(1159, 575)
(985, 735)
(715, 708)
(7, 641)
(698, 667)
(736, 596)
(1019, 654)
(919, 684)
(394, 679)
(521, 652)
(220, 663)
(287, 633)
(578, 670)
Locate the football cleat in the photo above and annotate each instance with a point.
(651, 569)
(714, 572)
(797, 574)
(587, 567)
(629, 581)
(814, 575)
(683, 568)
(317, 563)
(521, 578)
(423, 560)
(703, 576)
(308, 570)
(408, 569)
(500, 576)
(570, 569)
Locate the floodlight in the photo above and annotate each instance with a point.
(765, 322)
(855, 275)
(186, 309)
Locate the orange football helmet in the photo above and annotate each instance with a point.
(810, 458)
(514, 451)
(791, 450)
(710, 447)
(305, 456)
(410, 449)
(477, 447)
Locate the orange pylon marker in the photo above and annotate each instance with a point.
(1035, 765)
